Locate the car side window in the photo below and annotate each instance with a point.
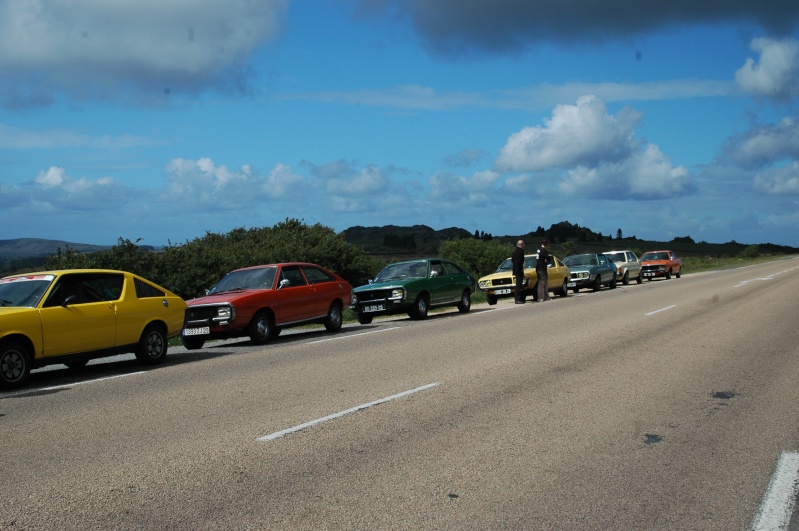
(436, 269)
(293, 275)
(316, 275)
(603, 260)
(85, 288)
(452, 269)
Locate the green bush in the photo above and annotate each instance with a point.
(478, 256)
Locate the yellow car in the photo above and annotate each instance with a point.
(74, 315)
(502, 283)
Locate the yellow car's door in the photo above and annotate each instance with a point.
(78, 328)
(76, 319)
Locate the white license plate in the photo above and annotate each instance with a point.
(505, 291)
(571, 284)
(649, 274)
(202, 331)
(373, 308)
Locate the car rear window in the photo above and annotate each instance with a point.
(145, 290)
(316, 275)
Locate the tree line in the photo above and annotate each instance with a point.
(188, 269)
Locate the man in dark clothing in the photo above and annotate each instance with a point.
(541, 271)
(518, 270)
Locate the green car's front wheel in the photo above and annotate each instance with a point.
(420, 307)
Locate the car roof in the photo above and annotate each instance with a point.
(67, 271)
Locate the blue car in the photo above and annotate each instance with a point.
(590, 271)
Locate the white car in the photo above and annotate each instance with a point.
(628, 265)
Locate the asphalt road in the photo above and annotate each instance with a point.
(666, 405)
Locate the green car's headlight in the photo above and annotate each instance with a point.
(398, 293)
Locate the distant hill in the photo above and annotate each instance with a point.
(24, 252)
(391, 240)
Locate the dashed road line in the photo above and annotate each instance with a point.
(353, 335)
(660, 310)
(778, 502)
(281, 433)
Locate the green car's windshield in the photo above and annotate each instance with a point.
(259, 278)
(581, 260)
(403, 270)
(25, 291)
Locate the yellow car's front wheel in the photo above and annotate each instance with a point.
(15, 364)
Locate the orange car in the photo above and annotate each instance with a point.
(661, 264)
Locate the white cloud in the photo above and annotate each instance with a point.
(203, 183)
(645, 175)
(776, 76)
(582, 134)
(476, 189)
(142, 47)
(355, 183)
(765, 144)
(779, 181)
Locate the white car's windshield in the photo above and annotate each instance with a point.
(24, 291)
(260, 278)
(616, 257)
(403, 270)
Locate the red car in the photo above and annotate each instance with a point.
(259, 301)
(660, 264)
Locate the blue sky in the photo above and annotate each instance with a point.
(165, 120)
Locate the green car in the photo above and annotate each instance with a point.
(414, 287)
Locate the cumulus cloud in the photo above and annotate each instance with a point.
(776, 75)
(645, 175)
(203, 183)
(582, 134)
(144, 49)
(476, 189)
(779, 181)
(764, 145)
(454, 27)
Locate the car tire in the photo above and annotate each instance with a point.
(626, 278)
(364, 319)
(640, 278)
(260, 328)
(668, 274)
(420, 307)
(575, 290)
(192, 342)
(612, 284)
(466, 302)
(334, 318)
(597, 283)
(491, 299)
(15, 364)
(152, 346)
(564, 289)
(678, 273)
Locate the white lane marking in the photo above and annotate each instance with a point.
(278, 434)
(66, 386)
(661, 310)
(770, 277)
(353, 335)
(777, 506)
